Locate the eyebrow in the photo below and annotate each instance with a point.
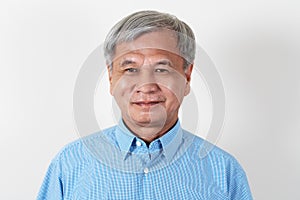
(164, 62)
(128, 61)
(125, 62)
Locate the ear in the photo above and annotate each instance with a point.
(109, 72)
(188, 74)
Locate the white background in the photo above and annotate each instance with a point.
(254, 44)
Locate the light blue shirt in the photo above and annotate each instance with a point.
(115, 164)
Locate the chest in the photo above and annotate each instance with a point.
(173, 182)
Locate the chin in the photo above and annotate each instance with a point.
(141, 119)
(146, 117)
(147, 121)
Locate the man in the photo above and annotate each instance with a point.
(147, 155)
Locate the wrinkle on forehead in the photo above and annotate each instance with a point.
(150, 57)
(161, 40)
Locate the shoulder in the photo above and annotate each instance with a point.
(221, 169)
(79, 152)
(218, 159)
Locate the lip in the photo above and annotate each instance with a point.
(146, 103)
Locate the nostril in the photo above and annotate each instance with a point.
(148, 88)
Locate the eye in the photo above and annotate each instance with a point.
(131, 70)
(163, 66)
(161, 70)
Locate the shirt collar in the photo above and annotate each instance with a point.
(124, 137)
(170, 141)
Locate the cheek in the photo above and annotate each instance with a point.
(121, 90)
(175, 83)
(173, 101)
(174, 91)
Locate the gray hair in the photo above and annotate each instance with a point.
(136, 24)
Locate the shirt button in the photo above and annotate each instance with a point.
(138, 143)
(146, 170)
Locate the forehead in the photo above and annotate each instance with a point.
(143, 55)
(162, 41)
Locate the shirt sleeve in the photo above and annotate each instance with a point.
(51, 188)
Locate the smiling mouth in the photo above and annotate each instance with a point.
(147, 103)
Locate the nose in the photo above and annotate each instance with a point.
(147, 82)
(148, 88)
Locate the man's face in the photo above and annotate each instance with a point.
(148, 80)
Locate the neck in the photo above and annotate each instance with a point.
(149, 133)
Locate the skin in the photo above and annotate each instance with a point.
(148, 82)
